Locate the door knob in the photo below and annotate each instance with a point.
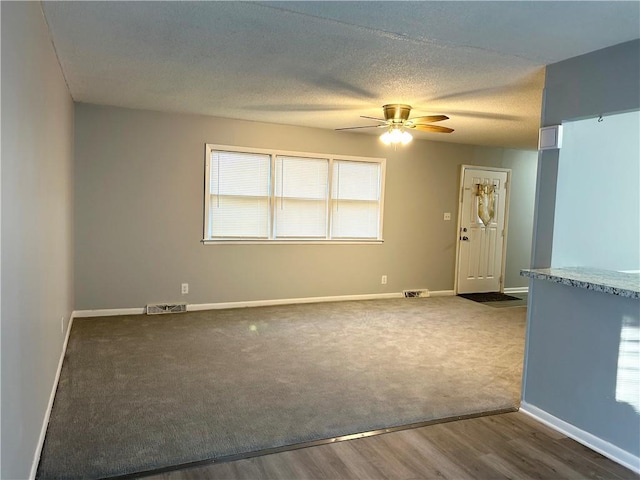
(465, 238)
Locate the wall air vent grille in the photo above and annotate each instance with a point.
(416, 293)
(158, 308)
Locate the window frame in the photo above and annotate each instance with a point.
(272, 239)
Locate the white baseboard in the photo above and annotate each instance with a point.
(47, 415)
(516, 290)
(442, 293)
(108, 312)
(597, 444)
(290, 301)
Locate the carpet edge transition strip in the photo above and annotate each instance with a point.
(311, 443)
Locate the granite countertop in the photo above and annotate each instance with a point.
(607, 281)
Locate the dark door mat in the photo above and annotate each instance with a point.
(488, 297)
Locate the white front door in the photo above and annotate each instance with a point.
(482, 230)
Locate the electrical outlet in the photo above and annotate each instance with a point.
(185, 288)
(383, 281)
(447, 216)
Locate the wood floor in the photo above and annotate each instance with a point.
(510, 445)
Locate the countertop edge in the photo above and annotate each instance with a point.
(605, 281)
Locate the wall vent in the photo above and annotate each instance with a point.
(416, 293)
(158, 308)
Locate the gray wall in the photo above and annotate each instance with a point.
(37, 229)
(574, 360)
(601, 82)
(139, 196)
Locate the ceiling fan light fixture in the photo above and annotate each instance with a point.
(396, 121)
(396, 135)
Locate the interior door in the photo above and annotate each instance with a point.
(481, 246)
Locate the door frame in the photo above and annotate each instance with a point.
(463, 169)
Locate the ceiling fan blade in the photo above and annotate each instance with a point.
(429, 118)
(367, 126)
(484, 115)
(373, 118)
(432, 128)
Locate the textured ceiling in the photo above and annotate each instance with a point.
(322, 64)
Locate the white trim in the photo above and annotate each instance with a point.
(47, 414)
(264, 241)
(597, 444)
(291, 301)
(442, 293)
(516, 290)
(108, 312)
(458, 228)
(291, 153)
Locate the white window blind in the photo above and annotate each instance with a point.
(301, 197)
(355, 200)
(269, 195)
(239, 195)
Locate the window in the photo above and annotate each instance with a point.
(355, 199)
(238, 195)
(301, 197)
(275, 196)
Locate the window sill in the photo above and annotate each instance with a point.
(292, 242)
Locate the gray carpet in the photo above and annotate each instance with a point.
(144, 392)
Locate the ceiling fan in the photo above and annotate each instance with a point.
(396, 120)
